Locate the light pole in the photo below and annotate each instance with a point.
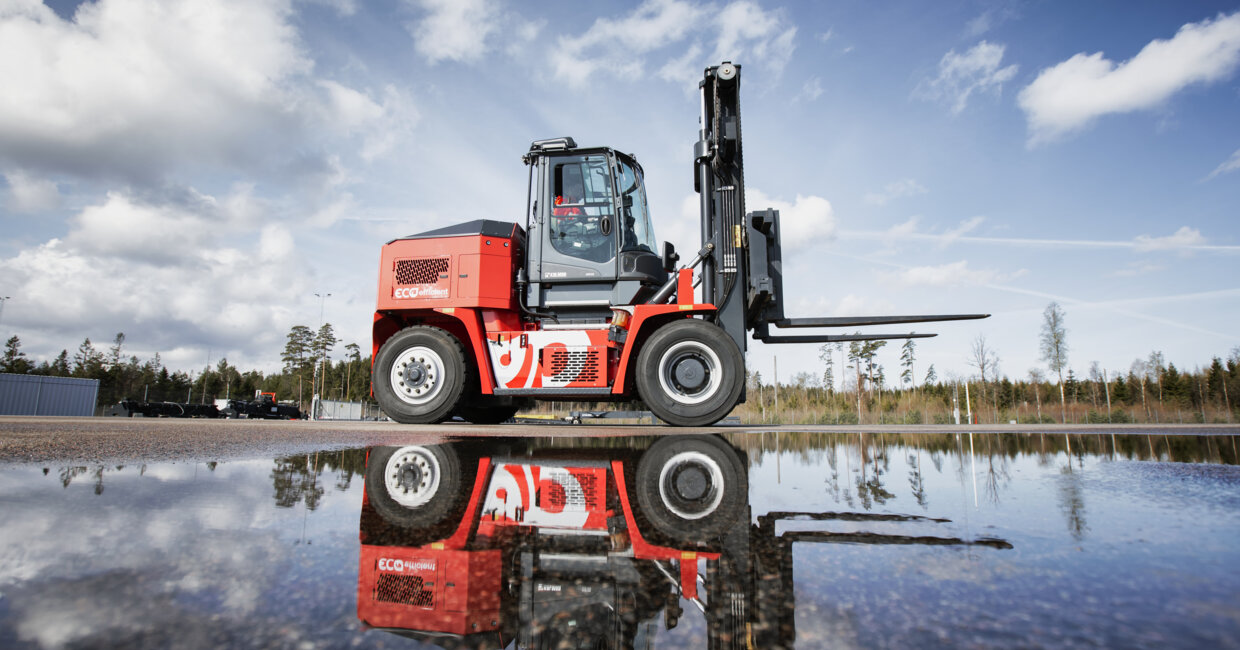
(321, 352)
(3, 299)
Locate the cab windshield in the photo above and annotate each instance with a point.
(637, 234)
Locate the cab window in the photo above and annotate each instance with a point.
(582, 211)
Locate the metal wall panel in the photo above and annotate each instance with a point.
(39, 395)
(327, 409)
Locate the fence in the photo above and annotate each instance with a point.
(40, 395)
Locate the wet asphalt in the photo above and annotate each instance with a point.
(100, 439)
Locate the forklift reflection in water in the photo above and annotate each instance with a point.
(480, 545)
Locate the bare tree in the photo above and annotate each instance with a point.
(1141, 372)
(1055, 349)
(1036, 378)
(1155, 366)
(984, 358)
(1095, 380)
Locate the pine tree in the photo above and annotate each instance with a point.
(828, 372)
(907, 357)
(14, 359)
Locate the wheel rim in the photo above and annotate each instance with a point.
(691, 485)
(689, 372)
(411, 476)
(417, 375)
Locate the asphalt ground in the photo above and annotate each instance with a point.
(101, 439)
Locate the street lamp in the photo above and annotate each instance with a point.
(3, 299)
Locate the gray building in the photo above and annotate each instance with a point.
(39, 395)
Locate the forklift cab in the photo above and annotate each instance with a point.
(591, 242)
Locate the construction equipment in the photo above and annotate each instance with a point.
(477, 319)
(263, 407)
(468, 545)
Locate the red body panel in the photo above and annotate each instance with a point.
(436, 272)
(465, 285)
(646, 319)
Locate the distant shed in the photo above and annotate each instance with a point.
(39, 395)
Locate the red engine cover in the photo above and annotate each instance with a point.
(456, 271)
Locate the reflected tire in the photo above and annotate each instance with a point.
(414, 487)
(691, 488)
(419, 375)
(690, 373)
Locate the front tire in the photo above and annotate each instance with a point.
(691, 488)
(690, 373)
(419, 375)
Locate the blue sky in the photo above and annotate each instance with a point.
(192, 173)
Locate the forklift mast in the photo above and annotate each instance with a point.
(742, 265)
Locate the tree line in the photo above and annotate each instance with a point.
(853, 388)
(1151, 390)
(311, 366)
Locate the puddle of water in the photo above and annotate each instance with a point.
(806, 540)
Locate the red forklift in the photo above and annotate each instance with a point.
(479, 319)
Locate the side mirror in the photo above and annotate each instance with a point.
(670, 258)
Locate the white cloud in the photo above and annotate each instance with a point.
(894, 190)
(849, 305)
(124, 76)
(30, 194)
(139, 90)
(806, 221)
(1183, 239)
(952, 274)
(682, 70)
(810, 90)
(1069, 96)
(979, 25)
(747, 32)
(903, 230)
(454, 30)
(963, 228)
(961, 75)
(1227, 166)
(1137, 269)
(381, 124)
(619, 47)
(167, 273)
(342, 7)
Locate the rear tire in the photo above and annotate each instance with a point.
(415, 486)
(690, 373)
(419, 375)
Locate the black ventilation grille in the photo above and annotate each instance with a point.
(574, 365)
(405, 590)
(421, 271)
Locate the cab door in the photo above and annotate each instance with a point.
(576, 215)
